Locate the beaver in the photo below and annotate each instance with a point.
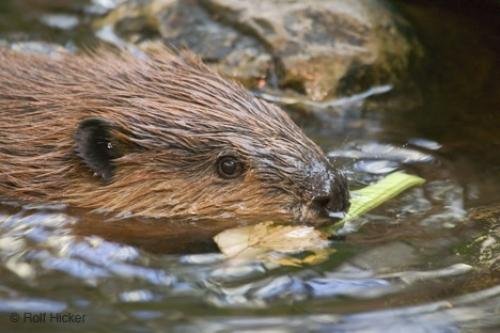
(161, 136)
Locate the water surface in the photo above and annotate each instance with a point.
(428, 261)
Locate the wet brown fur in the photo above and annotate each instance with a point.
(172, 117)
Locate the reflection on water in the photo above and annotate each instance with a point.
(428, 261)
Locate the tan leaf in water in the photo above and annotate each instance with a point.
(251, 241)
(317, 256)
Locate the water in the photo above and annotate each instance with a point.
(427, 261)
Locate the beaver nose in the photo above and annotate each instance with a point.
(334, 201)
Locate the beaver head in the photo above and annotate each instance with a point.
(161, 137)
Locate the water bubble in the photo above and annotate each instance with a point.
(376, 167)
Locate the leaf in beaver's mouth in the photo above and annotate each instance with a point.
(255, 241)
(369, 197)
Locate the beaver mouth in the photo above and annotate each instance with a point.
(319, 217)
(330, 200)
(330, 204)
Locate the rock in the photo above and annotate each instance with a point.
(186, 24)
(487, 217)
(325, 47)
(235, 54)
(387, 257)
(322, 48)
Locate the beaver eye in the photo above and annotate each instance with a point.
(229, 167)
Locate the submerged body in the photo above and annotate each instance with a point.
(162, 137)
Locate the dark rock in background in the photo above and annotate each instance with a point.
(322, 49)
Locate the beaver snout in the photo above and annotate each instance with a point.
(332, 201)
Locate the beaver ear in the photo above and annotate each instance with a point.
(95, 146)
